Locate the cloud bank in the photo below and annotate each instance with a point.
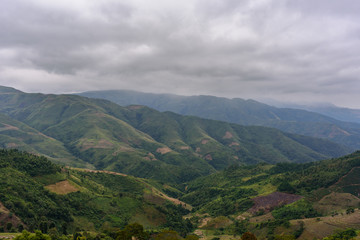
(290, 50)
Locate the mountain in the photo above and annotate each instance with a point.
(282, 201)
(143, 142)
(245, 112)
(37, 194)
(339, 113)
(14, 134)
(304, 201)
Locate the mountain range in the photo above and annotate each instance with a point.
(141, 141)
(213, 178)
(245, 112)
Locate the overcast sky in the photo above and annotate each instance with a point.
(294, 50)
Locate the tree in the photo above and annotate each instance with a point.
(133, 230)
(9, 226)
(248, 236)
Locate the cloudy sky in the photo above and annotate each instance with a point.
(289, 50)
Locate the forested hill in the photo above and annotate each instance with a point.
(282, 201)
(37, 194)
(143, 142)
(240, 111)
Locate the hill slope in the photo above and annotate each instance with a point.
(37, 192)
(246, 112)
(144, 142)
(311, 200)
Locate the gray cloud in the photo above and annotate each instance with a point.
(283, 49)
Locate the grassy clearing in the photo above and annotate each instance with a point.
(325, 226)
(63, 187)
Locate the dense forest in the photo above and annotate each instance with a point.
(264, 201)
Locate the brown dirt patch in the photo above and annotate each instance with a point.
(150, 157)
(8, 127)
(205, 141)
(63, 187)
(228, 135)
(11, 145)
(336, 131)
(204, 221)
(135, 107)
(173, 200)
(198, 150)
(6, 217)
(234, 144)
(208, 157)
(97, 171)
(163, 150)
(155, 199)
(269, 202)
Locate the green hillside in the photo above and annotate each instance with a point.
(143, 142)
(286, 200)
(37, 194)
(14, 134)
(240, 111)
(309, 200)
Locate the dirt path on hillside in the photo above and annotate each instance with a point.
(340, 179)
(96, 171)
(153, 189)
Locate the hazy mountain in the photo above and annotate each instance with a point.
(246, 112)
(328, 109)
(144, 142)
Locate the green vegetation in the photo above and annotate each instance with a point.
(244, 112)
(38, 194)
(100, 200)
(228, 192)
(143, 142)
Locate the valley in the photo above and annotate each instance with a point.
(77, 166)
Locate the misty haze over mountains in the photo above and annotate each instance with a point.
(246, 112)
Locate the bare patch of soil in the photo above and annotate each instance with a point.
(97, 171)
(6, 217)
(11, 145)
(63, 187)
(228, 135)
(135, 107)
(163, 150)
(8, 127)
(208, 157)
(204, 222)
(205, 141)
(150, 157)
(234, 144)
(269, 202)
(173, 200)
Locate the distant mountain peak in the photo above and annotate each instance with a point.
(4, 89)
